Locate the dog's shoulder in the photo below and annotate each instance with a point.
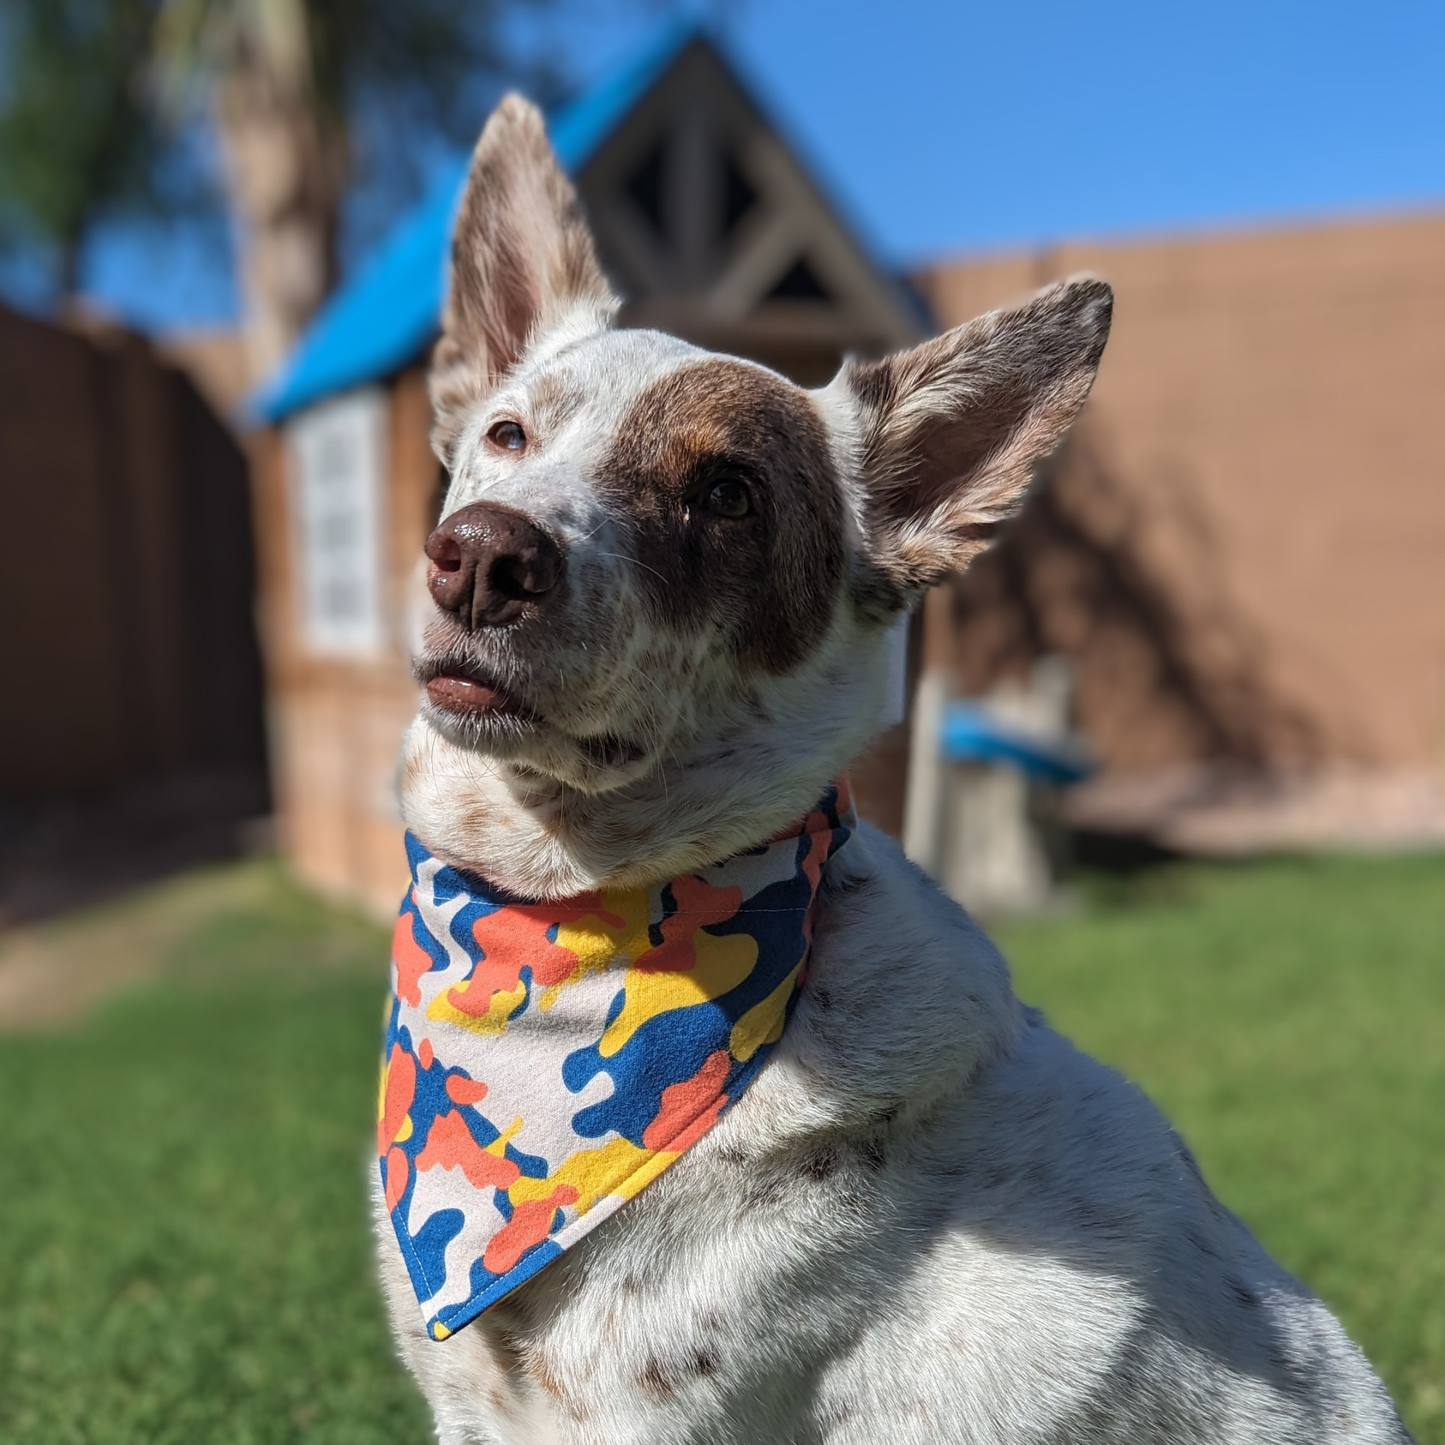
(904, 996)
(1033, 1197)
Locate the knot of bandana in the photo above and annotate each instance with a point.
(546, 1061)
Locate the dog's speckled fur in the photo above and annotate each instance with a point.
(930, 1219)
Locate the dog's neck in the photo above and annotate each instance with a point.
(539, 838)
(751, 762)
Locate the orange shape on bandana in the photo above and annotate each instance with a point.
(397, 1173)
(530, 1224)
(411, 959)
(461, 1090)
(449, 1145)
(400, 1091)
(685, 1103)
(519, 933)
(698, 905)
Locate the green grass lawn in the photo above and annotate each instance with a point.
(184, 1249)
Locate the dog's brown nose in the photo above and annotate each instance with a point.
(489, 562)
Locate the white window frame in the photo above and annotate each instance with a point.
(337, 456)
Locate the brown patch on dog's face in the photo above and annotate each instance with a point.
(769, 579)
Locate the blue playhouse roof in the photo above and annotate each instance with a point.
(387, 314)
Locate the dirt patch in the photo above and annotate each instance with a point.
(53, 973)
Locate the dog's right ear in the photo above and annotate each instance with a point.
(522, 258)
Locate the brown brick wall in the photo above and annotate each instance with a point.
(1244, 543)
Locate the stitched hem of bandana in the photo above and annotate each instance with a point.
(447, 1322)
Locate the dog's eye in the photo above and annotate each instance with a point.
(728, 499)
(507, 435)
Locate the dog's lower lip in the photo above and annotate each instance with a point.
(459, 693)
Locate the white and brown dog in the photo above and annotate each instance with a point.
(662, 591)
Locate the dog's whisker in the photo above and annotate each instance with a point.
(636, 562)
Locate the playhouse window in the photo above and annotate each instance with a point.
(336, 452)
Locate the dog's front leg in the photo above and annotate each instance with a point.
(476, 1383)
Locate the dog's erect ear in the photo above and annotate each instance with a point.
(522, 258)
(952, 429)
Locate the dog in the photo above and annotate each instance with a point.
(660, 598)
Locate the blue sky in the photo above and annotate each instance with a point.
(946, 128)
(959, 127)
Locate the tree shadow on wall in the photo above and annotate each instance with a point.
(1128, 579)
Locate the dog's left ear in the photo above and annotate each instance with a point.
(522, 258)
(951, 430)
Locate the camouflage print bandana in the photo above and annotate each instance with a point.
(546, 1061)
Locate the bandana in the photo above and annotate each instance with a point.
(546, 1061)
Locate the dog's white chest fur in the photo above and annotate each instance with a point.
(930, 1219)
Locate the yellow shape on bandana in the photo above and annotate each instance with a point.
(498, 1146)
(596, 945)
(502, 1006)
(593, 1173)
(763, 1023)
(721, 965)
